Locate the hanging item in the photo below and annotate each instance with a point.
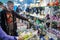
(56, 2)
(53, 3)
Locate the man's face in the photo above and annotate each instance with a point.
(11, 6)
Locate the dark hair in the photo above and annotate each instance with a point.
(9, 2)
(1, 3)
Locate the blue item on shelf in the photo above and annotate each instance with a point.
(37, 27)
(51, 39)
(42, 38)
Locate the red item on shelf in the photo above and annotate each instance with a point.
(56, 3)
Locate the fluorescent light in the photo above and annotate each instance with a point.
(20, 0)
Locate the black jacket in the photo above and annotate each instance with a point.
(4, 23)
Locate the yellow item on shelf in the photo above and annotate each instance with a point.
(46, 37)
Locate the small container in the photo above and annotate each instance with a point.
(51, 39)
(46, 37)
(42, 38)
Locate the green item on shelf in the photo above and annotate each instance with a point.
(59, 6)
(54, 22)
(41, 26)
(37, 21)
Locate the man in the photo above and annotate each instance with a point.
(3, 35)
(8, 21)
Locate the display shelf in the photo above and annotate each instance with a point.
(30, 35)
(35, 15)
(55, 32)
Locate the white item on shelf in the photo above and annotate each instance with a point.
(50, 35)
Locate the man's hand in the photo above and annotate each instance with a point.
(20, 38)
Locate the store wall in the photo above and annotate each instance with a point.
(4, 1)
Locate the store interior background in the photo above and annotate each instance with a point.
(24, 3)
(51, 10)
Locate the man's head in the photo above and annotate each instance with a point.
(10, 5)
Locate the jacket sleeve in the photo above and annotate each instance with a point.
(4, 36)
(20, 17)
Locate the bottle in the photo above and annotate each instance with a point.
(51, 39)
(57, 3)
(42, 38)
(39, 32)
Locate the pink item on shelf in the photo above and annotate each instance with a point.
(55, 18)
